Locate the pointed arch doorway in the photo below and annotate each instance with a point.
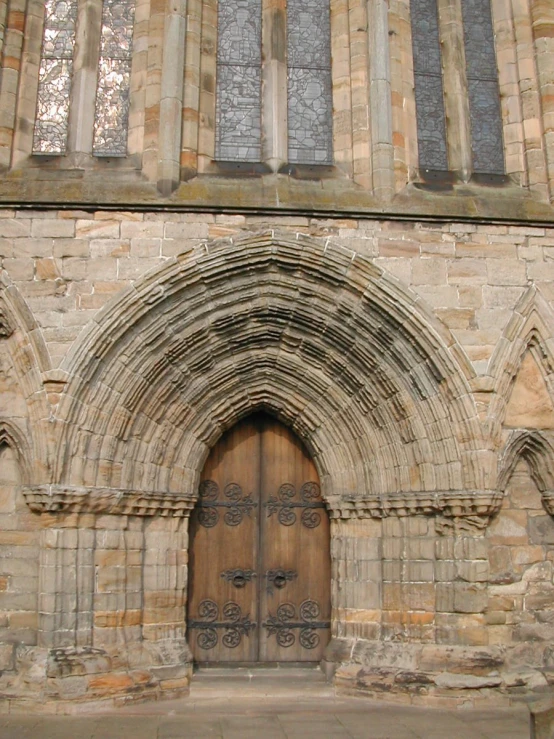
(259, 587)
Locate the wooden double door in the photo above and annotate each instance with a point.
(260, 562)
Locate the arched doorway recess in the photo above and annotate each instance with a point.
(260, 561)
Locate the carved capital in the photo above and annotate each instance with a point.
(66, 499)
(471, 506)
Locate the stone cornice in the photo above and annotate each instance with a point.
(74, 499)
(448, 504)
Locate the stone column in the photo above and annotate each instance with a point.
(456, 101)
(462, 572)
(17, 64)
(153, 91)
(543, 35)
(382, 154)
(171, 103)
(83, 88)
(3, 15)
(66, 585)
(356, 553)
(274, 103)
(408, 579)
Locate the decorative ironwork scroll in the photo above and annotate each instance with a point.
(482, 80)
(237, 505)
(55, 72)
(239, 578)
(285, 622)
(239, 81)
(235, 624)
(114, 79)
(430, 117)
(284, 504)
(310, 119)
(279, 578)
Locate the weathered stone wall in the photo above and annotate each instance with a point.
(402, 326)
(441, 536)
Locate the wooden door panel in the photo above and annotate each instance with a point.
(294, 602)
(223, 617)
(260, 563)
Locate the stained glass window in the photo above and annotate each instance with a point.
(114, 73)
(482, 79)
(310, 133)
(55, 71)
(239, 79)
(431, 128)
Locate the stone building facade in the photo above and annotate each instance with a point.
(396, 317)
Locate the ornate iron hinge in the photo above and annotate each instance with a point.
(283, 623)
(284, 505)
(238, 505)
(235, 624)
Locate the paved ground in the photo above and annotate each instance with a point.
(296, 706)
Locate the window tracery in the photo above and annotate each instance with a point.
(114, 72)
(480, 111)
(310, 134)
(57, 69)
(55, 73)
(240, 106)
(239, 81)
(483, 93)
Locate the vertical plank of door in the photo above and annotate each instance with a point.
(235, 459)
(296, 547)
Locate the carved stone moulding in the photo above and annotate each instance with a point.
(548, 501)
(6, 329)
(448, 504)
(72, 499)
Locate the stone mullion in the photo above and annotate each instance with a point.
(542, 12)
(404, 125)
(359, 91)
(341, 81)
(208, 72)
(171, 104)
(138, 79)
(382, 154)
(456, 100)
(83, 86)
(12, 66)
(274, 75)
(519, 92)
(191, 92)
(153, 89)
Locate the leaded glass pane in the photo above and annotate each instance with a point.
(431, 128)
(310, 120)
(239, 78)
(54, 85)
(484, 97)
(114, 73)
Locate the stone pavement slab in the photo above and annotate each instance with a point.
(269, 705)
